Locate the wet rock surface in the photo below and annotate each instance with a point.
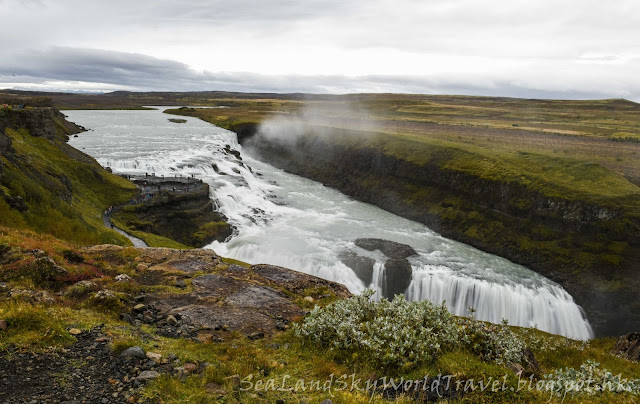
(216, 297)
(397, 271)
(248, 300)
(390, 249)
(397, 277)
(362, 266)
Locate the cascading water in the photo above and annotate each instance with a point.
(286, 220)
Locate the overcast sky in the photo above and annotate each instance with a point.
(522, 48)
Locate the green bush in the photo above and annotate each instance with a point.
(401, 333)
(392, 333)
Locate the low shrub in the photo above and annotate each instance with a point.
(401, 333)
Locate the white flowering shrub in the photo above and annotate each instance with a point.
(401, 333)
(589, 380)
(393, 333)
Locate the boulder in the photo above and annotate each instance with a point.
(397, 277)
(215, 389)
(628, 346)
(389, 248)
(533, 367)
(361, 266)
(256, 335)
(134, 352)
(147, 375)
(156, 357)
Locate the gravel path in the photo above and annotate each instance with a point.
(135, 240)
(86, 372)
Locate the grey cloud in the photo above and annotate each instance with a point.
(233, 11)
(140, 72)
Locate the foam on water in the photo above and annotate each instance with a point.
(286, 220)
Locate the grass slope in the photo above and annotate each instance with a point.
(64, 191)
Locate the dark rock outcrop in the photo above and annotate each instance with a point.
(628, 346)
(40, 122)
(397, 277)
(251, 300)
(362, 266)
(389, 248)
(180, 210)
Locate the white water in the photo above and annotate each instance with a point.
(294, 222)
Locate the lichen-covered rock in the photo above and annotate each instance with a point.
(82, 288)
(123, 278)
(106, 300)
(32, 296)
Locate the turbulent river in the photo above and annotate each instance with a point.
(287, 220)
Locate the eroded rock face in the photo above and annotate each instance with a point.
(397, 269)
(362, 266)
(628, 346)
(397, 277)
(389, 248)
(222, 298)
(249, 301)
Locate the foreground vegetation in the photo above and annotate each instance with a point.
(330, 344)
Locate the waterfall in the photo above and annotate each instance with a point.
(286, 220)
(547, 307)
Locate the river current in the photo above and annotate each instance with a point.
(287, 220)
